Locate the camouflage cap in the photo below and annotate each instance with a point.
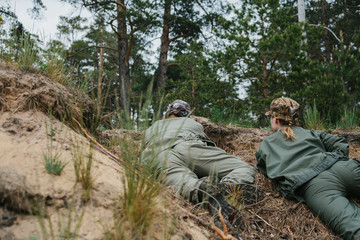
(284, 108)
(178, 108)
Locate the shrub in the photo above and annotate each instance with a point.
(349, 120)
(313, 119)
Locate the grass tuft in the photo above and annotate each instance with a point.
(56, 70)
(313, 119)
(349, 120)
(27, 54)
(53, 164)
(140, 204)
(236, 198)
(83, 169)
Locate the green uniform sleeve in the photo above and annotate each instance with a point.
(334, 143)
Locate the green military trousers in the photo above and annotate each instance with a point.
(327, 196)
(190, 162)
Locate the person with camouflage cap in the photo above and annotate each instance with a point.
(178, 146)
(311, 166)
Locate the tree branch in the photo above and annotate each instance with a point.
(95, 2)
(177, 37)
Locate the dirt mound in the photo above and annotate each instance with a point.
(25, 183)
(36, 204)
(23, 91)
(242, 142)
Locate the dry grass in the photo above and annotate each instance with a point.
(139, 209)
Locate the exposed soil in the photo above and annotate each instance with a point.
(25, 136)
(27, 132)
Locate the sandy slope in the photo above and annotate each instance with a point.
(25, 126)
(25, 139)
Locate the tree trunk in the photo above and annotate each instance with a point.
(302, 18)
(124, 73)
(325, 22)
(101, 61)
(265, 76)
(164, 48)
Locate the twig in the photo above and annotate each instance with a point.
(102, 148)
(222, 222)
(4, 102)
(265, 221)
(112, 156)
(254, 204)
(223, 234)
(192, 215)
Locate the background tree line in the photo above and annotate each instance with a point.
(208, 50)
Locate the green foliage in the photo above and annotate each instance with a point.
(313, 119)
(266, 49)
(54, 65)
(231, 116)
(139, 204)
(20, 47)
(194, 80)
(350, 119)
(27, 54)
(257, 45)
(68, 27)
(53, 163)
(264, 52)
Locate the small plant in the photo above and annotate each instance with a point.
(217, 114)
(52, 162)
(27, 54)
(349, 120)
(56, 70)
(312, 118)
(82, 167)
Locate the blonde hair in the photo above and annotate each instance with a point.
(287, 130)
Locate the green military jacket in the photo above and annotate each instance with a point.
(292, 163)
(165, 134)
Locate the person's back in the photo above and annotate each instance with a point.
(166, 133)
(292, 163)
(312, 166)
(179, 147)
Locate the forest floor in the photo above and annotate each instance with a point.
(28, 131)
